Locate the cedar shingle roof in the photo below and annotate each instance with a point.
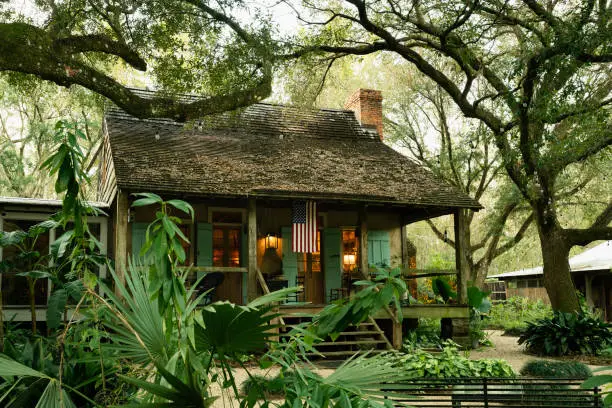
(274, 151)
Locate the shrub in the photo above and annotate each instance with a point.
(263, 386)
(556, 369)
(538, 394)
(425, 335)
(513, 314)
(451, 364)
(567, 333)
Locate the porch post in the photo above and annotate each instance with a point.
(461, 256)
(588, 290)
(121, 235)
(252, 237)
(364, 266)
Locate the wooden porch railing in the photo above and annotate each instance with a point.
(266, 290)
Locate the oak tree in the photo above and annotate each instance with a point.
(182, 45)
(536, 73)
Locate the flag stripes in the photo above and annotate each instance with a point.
(304, 227)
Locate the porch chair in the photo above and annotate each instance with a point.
(299, 295)
(209, 283)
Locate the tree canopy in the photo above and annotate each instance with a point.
(184, 45)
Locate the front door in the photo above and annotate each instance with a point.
(310, 271)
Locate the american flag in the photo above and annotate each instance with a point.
(304, 222)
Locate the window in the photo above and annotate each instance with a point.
(14, 288)
(226, 236)
(349, 250)
(226, 246)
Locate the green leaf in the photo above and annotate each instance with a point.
(59, 246)
(54, 397)
(35, 274)
(182, 206)
(149, 198)
(232, 329)
(10, 368)
(55, 308)
(597, 381)
(12, 238)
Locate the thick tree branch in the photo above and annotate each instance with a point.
(582, 237)
(28, 49)
(520, 234)
(440, 234)
(100, 43)
(603, 219)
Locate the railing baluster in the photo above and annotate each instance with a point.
(596, 396)
(485, 394)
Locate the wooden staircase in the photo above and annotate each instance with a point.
(358, 339)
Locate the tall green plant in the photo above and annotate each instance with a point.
(76, 253)
(163, 249)
(385, 288)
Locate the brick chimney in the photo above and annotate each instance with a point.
(367, 105)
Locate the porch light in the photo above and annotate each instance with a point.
(271, 241)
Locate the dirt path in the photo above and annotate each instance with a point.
(507, 348)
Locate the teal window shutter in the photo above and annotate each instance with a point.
(205, 239)
(332, 263)
(290, 269)
(379, 248)
(139, 237)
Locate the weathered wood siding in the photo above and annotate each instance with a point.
(531, 293)
(107, 182)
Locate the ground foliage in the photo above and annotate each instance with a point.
(567, 333)
(513, 314)
(556, 369)
(450, 363)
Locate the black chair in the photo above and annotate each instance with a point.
(209, 284)
(297, 296)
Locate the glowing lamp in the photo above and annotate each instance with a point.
(271, 241)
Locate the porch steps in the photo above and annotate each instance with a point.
(359, 339)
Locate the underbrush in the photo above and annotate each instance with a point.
(513, 314)
(425, 335)
(556, 369)
(450, 363)
(567, 334)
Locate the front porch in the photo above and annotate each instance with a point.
(245, 249)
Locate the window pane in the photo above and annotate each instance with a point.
(226, 246)
(234, 247)
(15, 288)
(349, 250)
(218, 247)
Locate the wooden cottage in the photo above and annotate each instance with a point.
(244, 171)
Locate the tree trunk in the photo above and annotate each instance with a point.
(32, 289)
(479, 275)
(557, 276)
